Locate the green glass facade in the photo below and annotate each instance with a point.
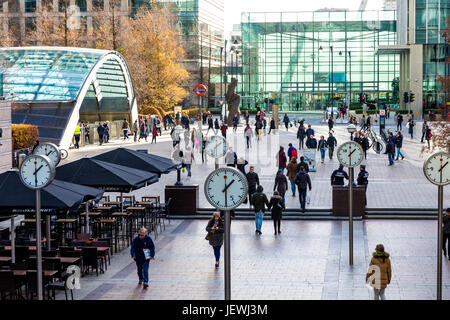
(306, 58)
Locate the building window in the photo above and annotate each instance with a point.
(13, 6)
(30, 5)
(82, 5)
(30, 25)
(98, 4)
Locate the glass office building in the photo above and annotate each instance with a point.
(305, 59)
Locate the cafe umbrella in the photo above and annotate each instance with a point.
(139, 160)
(105, 176)
(57, 198)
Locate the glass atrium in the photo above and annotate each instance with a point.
(305, 58)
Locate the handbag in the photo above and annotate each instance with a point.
(208, 236)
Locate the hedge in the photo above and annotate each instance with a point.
(24, 136)
(355, 105)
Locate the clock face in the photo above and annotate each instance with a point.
(216, 146)
(350, 154)
(437, 168)
(50, 150)
(226, 188)
(37, 172)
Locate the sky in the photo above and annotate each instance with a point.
(234, 8)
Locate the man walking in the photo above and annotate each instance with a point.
(125, 126)
(86, 128)
(390, 150)
(362, 179)
(101, 132)
(302, 180)
(77, 135)
(398, 143)
(303, 164)
(331, 142)
(399, 121)
(253, 182)
(142, 251)
(260, 201)
(301, 134)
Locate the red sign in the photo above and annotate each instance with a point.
(221, 102)
(200, 90)
(382, 113)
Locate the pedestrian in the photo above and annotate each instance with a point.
(286, 121)
(365, 144)
(411, 125)
(303, 164)
(253, 182)
(399, 121)
(322, 146)
(388, 112)
(446, 233)
(135, 129)
(281, 159)
(303, 181)
(142, 251)
(106, 134)
(272, 125)
(259, 200)
(241, 163)
(311, 142)
(216, 126)
(362, 179)
(281, 184)
(338, 176)
(235, 122)
(223, 130)
(170, 121)
(292, 173)
(77, 136)
(292, 152)
(379, 276)
(428, 135)
(210, 124)
(204, 155)
(276, 206)
(125, 127)
(264, 121)
(193, 137)
(204, 117)
(248, 133)
(301, 134)
(231, 158)
(330, 124)
(154, 134)
(309, 132)
(215, 229)
(332, 143)
(187, 160)
(399, 143)
(258, 128)
(368, 121)
(101, 132)
(423, 130)
(390, 151)
(87, 137)
(247, 117)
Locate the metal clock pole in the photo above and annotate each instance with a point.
(350, 218)
(439, 253)
(13, 240)
(227, 248)
(38, 244)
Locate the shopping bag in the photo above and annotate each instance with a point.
(308, 199)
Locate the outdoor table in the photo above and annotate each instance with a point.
(23, 273)
(108, 224)
(5, 259)
(112, 203)
(122, 216)
(140, 212)
(82, 217)
(157, 198)
(25, 221)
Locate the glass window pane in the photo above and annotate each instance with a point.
(30, 5)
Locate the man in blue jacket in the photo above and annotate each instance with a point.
(142, 251)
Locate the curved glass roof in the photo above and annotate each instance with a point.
(46, 73)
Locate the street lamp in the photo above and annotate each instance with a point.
(351, 129)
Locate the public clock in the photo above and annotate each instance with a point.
(226, 188)
(50, 150)
(350, 154)
(216, 146)
(437, 168)
(36, 171)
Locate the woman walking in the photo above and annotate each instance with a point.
(428, 135)
(281, 159)
(215, 229)
(322, 146)
(248, 133)
(276, 205)
(292, 173)
(155, 134)
(281, 184)
(143, 132)
(411, 128)
(380, 272)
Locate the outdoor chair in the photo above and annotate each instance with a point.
(22, 253)
(63, 250)
(5, 242)
(165, 211)
(103, 256)
(31, 284)
(58, 285)
(91, 259)
(8, 286)
(83, 236)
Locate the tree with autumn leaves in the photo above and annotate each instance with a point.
(149, 42)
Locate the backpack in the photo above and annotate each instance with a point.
(294, 153)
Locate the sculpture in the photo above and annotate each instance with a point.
(233, 101)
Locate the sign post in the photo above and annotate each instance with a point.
(200, 91)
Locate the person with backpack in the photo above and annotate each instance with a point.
(303, 181)
(380, 273)
(235, 122)
(292, 152)
(332, 143)
(259, 201)
(215, 229)
(276, 205)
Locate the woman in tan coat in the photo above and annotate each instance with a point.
(379, 273)
(292, 173)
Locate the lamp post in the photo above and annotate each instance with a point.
(332, 83)
(351, 129)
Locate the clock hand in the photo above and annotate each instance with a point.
(443, 166)
(226, 188)
(37, 170)
(351, 152)
(49, 153)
